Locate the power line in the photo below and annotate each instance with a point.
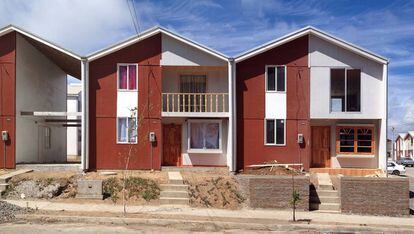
(136, 17)
(132, 17)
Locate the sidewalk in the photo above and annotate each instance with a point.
(244, 215)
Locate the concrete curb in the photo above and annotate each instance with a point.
(210, 224)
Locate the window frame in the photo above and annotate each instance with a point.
(118, 65)
(276, 78)
(355, 152)
(345, 88)
(265, 132)
(117, 130)
(215, 151)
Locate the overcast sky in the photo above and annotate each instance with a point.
(384, 27)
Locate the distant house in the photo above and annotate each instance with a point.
(73, 132)
(404, 145)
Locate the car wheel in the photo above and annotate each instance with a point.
(395, 172)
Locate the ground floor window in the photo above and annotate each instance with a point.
(204, 135)
(127, 129)
(275, 131)
(355, 140)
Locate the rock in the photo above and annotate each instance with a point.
(8, 211)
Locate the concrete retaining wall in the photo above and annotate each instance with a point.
(375, 196)
(274, 191)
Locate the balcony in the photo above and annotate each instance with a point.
(195, 105)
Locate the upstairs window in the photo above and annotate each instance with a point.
(275, 78)
(345, 90)
(127, 77)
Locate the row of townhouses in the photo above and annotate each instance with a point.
(306, 98)
(404, 145)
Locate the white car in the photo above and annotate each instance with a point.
(395, 169)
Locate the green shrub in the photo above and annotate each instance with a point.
(135, 187)
(111, 187)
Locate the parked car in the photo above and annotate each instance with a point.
(408, 162)
(395, 169)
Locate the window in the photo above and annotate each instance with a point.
(127, 77)
(345, 90)
(276, 78)
(127, 129)
(355, 140)
(192, 84)
(204, 135)
(275, 131)
(47, 138)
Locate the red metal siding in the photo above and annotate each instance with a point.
(250, 91)
(7, 96)
(105, 153)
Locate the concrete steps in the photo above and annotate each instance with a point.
(324, 198)
(4, 179)
(175, 192)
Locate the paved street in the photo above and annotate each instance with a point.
(410, 173)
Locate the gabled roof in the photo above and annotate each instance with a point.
(67, 60)
(311, 31)
(151, 32)
(11, 28)
(401, 135)
(411, 133)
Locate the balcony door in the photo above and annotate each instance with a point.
(193, 88)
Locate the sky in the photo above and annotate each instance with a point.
(234, 26)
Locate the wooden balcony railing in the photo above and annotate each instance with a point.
(195, 102)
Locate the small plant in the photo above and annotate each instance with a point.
(111, 188)
(295, 199)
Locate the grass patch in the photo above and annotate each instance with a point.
(136, 187)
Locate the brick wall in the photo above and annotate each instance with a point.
(274, 191)
(375, 196)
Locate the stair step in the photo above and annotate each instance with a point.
(174, 201)
(174, 187)
(325, 206)
(325, 186)
(176, 194)
(3, 187)
(173, 181)
(323, 199)
(324, 193)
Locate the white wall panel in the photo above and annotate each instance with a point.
(126, 100)
(275, 105)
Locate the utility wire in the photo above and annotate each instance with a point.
(132, 17)
(136, 16)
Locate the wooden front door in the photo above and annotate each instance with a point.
(171, 145)
(321, 140)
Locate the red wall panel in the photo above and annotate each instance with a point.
(105, 153)
(250, 95)
(8, 96)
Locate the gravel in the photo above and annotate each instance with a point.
(9, 211)
(35, 189)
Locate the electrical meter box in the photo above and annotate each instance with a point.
(300, 138)
(4, 136)
(152, 137)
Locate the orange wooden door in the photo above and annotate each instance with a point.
(171, 145)
(321, 138)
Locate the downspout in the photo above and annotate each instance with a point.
(386, 116)
(233, 115)
(85, 114)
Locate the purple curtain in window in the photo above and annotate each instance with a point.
(132, 77)
(122, 77)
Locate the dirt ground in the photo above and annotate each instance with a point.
(69, 180)
(3, 171)
(217, 189)
(271, 171)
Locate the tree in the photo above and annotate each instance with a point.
(295, 199)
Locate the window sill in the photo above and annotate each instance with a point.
(204, 151)
(355, 156)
